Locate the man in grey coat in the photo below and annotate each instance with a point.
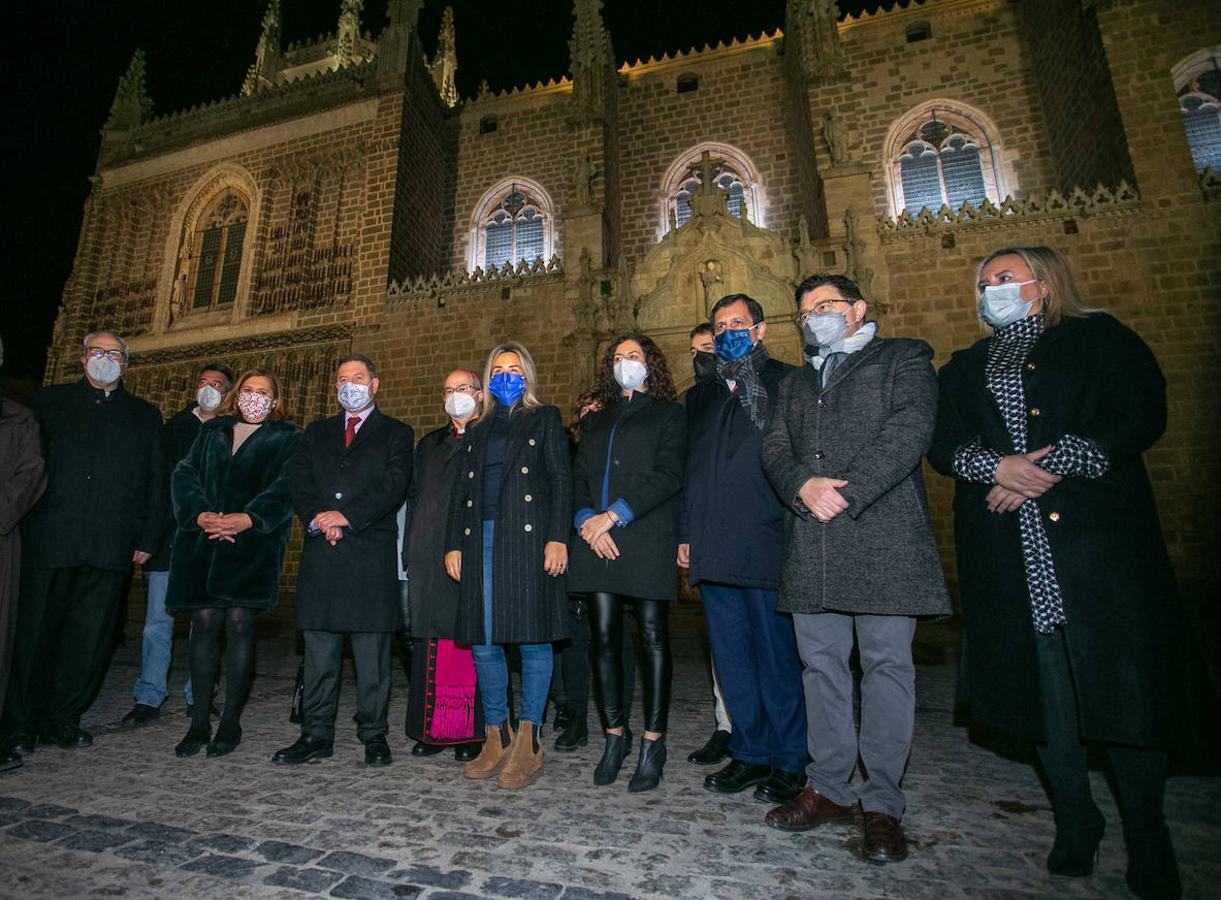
(843, 450)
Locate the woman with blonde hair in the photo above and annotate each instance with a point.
(507, 547)
(233, 509)
(1069, 601)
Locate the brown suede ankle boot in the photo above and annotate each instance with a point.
(525, 758)
(494, 754)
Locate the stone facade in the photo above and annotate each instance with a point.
(366, 185)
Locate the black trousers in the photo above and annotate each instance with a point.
(323, 668)
(653, 619)
(62, 645)
(1140, 772)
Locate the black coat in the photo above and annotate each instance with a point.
(177, 436)
(870, 426)
(731, 517)
(1094, 378)
(212, 478)
(432, 593)
(648, 459)
(535, 508)
(354, 585)
(105, 480)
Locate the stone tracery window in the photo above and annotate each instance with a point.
(731, 171)
(1198, 85)
(217, 251)
(512, 224)
(942, 156)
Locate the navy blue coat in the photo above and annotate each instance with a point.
(177, 436)
(731, 516)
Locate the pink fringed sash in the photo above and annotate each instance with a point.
(453, 713)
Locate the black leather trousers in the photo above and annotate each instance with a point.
(606, 624)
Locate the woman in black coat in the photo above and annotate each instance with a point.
(627, 477)
(507, 547)
(1068, 598)
(233, 507)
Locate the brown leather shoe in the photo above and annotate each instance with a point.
(884, 841)
(494, 755)
(807, 810)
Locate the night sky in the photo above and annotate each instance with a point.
(63, 60)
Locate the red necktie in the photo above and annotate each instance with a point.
(350, 434)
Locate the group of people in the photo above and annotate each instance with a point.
(792, 496)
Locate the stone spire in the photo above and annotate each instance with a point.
(813, 26)
(444, 65)
(267, 54)
(592, 60)
(132, 105)
(349, 28)
(404, 13)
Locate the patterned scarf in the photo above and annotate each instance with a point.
(749, 390)
(1008, 350)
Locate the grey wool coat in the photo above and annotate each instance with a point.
(870, 426)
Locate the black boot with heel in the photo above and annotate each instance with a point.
(648, 767)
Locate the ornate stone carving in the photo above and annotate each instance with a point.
(854, 254)
(833, 136)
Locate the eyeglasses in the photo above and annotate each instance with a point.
(460, 389)
(98, 353)
(825, 306)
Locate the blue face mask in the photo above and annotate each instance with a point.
(1002, 304)
(507, 387)
(734, 343)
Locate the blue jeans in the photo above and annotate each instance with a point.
(492, 669)
(158, 646)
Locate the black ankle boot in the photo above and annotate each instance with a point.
(228, 736)
(574, 736)
(1153, 873)
(1077, 838)
(197, 736)
(617, 747)
(648, 767)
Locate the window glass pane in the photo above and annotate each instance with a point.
(735, 200)
(964, 174)
(208, 251)
(499, 244)
(1203, 126)
(682, 211)
(227, 289)
(529, 239)
(921, 181)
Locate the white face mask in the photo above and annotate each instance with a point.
(459, 406)
(103, 370)
(826, 328)
(630, 373)
(1002, 304)
(254, 407)
(354, 397)
(208, 398)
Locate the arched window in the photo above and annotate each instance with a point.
(217, 251)
(513, 223)
(941, 155)
(731, 171)
(1198, 82)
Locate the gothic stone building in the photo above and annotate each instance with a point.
(346, 199)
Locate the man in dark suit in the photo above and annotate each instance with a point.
(349, 477)
(731, 537)
(104, 510)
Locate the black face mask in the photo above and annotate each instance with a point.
(704, 364)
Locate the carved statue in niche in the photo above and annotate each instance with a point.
(854, 250)
(711, 274)
(587, 308)
(583, 178)
(833, 134)
(621, 311)
(807, 257)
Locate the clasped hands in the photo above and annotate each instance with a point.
(595, 531)
(822, 498)
(331, 523)
(223, 526)
(1019, 479)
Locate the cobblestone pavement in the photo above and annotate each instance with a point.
(126, 818)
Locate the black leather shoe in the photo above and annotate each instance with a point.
(22, 743)
(574, 736)
(780, 787)
(422, 749)
(377, 751)
(141, 714)
(306, 749)
(1153, 872)
(69, 737)
(713, 752)
(9, 760)
(226, 741)
(193, 742)
(648, 767)
(464, 753)
(736, 777)
(562, 719)
(1078, 834)
(617, 747)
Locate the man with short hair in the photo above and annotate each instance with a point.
(732, 530)
(212, 381)
(348, 479)
(843, 450)
(104, 510)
